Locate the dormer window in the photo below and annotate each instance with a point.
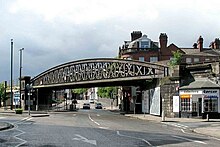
(144, 44)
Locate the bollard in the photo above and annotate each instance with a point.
(207, 117)
(163, 115)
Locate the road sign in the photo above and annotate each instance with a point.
(16, 97)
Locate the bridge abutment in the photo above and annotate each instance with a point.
(43, 99)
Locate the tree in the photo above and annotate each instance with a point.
(2, 93)
(106, 92)
(79, 90)
(176, 58)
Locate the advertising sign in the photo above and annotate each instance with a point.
(16, 97)
(145, 102)
(176, 104)
(211, 93)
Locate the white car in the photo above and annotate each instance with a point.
(91, 100)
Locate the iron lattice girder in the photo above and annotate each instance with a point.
(99, 70)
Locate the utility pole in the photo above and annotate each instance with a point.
(11, 73)
(5, 94)
(20, 71)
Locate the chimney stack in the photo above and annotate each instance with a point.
(215, 44)
(200, 43)
(163, 40)
(135, 35)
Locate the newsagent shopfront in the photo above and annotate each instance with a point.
(199, 103)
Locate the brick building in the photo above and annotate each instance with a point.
(142, 48)
(198, 63)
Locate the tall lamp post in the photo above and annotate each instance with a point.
(20, 71)
(11, 73)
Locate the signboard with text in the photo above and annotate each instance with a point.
(16, 98)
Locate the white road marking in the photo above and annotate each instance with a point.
(104, 128)
(2, 117)
(93, 120)
(183, 131)
(196, 141)
(83, 139)
(22, 140)
(176, 125)
(214, 138)
(29, 119)
(24, 120)
(147, 142)
(97, 115)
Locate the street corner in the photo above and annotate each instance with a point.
(210, 131)
(5, 126)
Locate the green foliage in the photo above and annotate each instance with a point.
(79, 90)
(2, 91)
(176, 58)
(106, 92)
(18, 111)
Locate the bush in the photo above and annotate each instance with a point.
(18, 111)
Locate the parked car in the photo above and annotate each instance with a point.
(86, 106)
(91, 101)
(98, 106)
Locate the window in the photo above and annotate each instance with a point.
(188, 60)
(196, 59)
(127, 58)
(194, 107)
(22, 84)
(141, 58)
(144, 44)
(185, 104)
(207, 59)
(211, 105)
(153, 59)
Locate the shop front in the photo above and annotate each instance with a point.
(199, 103)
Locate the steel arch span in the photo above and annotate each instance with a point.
(90, 71)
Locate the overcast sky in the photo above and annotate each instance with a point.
(58, 31)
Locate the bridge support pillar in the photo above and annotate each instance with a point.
(43, 99)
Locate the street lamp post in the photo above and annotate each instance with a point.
(11, 73)
(20, 71)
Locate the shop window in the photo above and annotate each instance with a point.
(210, 105)
(185, 104)
(194, 107)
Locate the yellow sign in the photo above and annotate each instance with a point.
(185, 96)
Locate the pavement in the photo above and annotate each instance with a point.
(8, 112)
(211, 127)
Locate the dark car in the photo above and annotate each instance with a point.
(86, 106)
(98, 106)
